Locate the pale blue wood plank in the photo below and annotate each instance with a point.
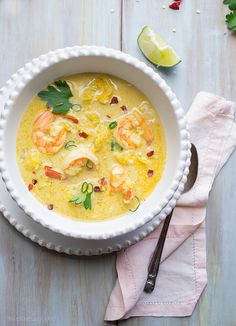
(38, 287)
(206, 48)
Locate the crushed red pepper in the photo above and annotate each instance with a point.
(123, 108)
(97, 189)
(150, 173)
(103, 181)
(83, 134)
(175, 5)
(50, 207)
(150, 153)
(34, 181)
(30, 186)
(114, 100)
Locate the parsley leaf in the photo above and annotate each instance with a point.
(231, 4)
(57, 96)
(231, 21)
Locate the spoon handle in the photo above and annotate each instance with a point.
(154, 264)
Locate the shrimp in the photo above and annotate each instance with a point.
(132, 128)
(54, 173)
(48, 134)
(77, 159)
(119, 182)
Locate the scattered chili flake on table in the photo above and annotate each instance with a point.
(150, 153)
(30, 186)
(175, 4)
(150, 173)
(123, 108)
(97, 189)
(50, 207)
(83, 134)
(114, 100)
(34, 181)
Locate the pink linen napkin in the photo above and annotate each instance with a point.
(182, 275)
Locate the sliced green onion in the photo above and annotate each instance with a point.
(119, 147)
(87, 202)
(69, 144)
(90, 188)
(116, 145)
(138, 200)
(112, 145)
(76, 107)
(89, 164)
(78, 199)
(113, 124)
(73, 199)
(84, 187)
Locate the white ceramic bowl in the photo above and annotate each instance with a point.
(41, 71)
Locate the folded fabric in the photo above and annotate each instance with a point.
(182, 275)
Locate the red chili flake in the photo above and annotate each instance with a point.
(83, 134)
(175, 5)
(123, 108)
(33, 172)
(30, 186)
(150, 153)
(150, 173)
(108, 116)
(72, 117)
(50, 207)
(103, 181)
(34, 181)
(97, 189)
(114, 100)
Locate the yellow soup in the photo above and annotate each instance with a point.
(91, 147)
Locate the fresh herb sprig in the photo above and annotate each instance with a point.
(231, 17)
(84, 197)
(57, 96)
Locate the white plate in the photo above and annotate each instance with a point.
(41, 71)
(55, 241)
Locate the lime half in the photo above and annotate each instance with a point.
(156, 50)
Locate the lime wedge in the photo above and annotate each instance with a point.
(156, 50)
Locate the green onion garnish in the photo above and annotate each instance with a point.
(138, 200)
(74, 199)
(69, 144)
(115, 145)
(87, 202)
(90, 188)
(113, 124)
(85, 197)
(76, 107)
(89, 164)
(80, 199)
(84, 187)
(112, 145)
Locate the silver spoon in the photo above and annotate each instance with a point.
(154, 264)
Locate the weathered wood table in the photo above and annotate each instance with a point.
(39, 287)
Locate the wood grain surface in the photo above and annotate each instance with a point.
(39, 287)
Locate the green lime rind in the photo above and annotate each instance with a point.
(156, 50)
